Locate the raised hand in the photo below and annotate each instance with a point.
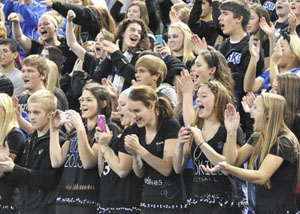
(254, 48)
(184, 135)
(55, 120)
(277, 54)
(292, 20)
(173, 16)
(185, 83)
(268, 28)
(13, 17)
(232, 118)
(113, 91)
(248, 101)
(71, 15)
(75, 119)
(198, 44)
(198, 137)
(103, 138)
(110, 47)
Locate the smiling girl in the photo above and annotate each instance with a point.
(150, 141)
(212, 192)
(79, 186)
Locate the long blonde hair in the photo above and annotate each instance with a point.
(187, 36)
(8, 119)
(273, 130)
(52, 81)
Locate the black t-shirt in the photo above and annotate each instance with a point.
(159, 192)
(15, 140)
(296, 126)
(214, 189)
(281, 197)
(69, 57)
(280, 27)
(78, 186)
(119, 194)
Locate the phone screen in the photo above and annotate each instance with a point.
(159, 39)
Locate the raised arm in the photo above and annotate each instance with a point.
(58, 154)
(249, 79)
(181, 153)
(88, 155)
(71, 39)
(120, 163)
(187, 87)
(18, 35)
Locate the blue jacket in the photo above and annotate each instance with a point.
(30, 15)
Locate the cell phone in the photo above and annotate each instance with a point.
(101, 122)
(64, 117)
(159, 39)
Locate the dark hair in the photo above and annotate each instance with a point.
(13, 46)
(6, 85)
(147, 95)
(222, 73)
(238, 8)
(55, 55)
(143, 44)
(261, 12)
(102, 95)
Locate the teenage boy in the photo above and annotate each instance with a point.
(10, 51)
(36, 179)
(34, 74)
(233, 21)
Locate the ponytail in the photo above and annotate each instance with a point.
(164, 110)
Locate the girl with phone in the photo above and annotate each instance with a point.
(79, 186)
(150, 141)
(120, 188)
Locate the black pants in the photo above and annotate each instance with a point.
(69, 209)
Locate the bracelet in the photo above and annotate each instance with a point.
(201, 144)
(105, 150)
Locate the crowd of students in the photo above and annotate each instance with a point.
(201, 101)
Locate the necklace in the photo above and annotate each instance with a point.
(210, 133)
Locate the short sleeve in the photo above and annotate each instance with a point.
(15, 140)
(286, 150)
(170, 129)
(253, 139)
(239, 137)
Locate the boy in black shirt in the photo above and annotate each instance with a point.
(233, 20)
(36, 179)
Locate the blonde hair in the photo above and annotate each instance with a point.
(187, 36)
(46, 98)
(3, 31)
(7, 116)
(273, 130)
(178, 7)
(295, 48)
(53, 76)
(155, 66)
